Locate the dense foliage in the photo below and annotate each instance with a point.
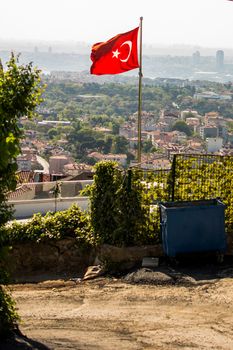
(205, 177)
(193, 177)
(53, 226)
(120, 214)
(183, 127)
(70, 100)
(97, 99)
(84, 139)
(19, 95)
(8, 315)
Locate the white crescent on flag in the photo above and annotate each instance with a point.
(129, 43)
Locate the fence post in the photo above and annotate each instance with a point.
(129, 180)
(173, 176)
(56, 192)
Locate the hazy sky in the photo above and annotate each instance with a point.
(166, 22)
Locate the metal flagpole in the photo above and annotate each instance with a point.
(140, 98)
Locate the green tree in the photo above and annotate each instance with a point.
(108, 144)
(119, 207)
(20, 93)
(115, 128)
(230, 126)
(120, 144)
(53, 132)
(147, 146)
(180, 125)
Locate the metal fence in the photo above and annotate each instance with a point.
(192, 177)
(196, 177)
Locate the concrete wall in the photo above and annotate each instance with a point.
(26, 208)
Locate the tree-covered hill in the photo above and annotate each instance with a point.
(71, 100)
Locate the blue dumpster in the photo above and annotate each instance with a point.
(194, 226)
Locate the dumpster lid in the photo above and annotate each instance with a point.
(181, 204)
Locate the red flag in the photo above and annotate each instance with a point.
(117, 55)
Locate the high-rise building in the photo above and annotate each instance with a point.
(196, 58)
(220, 60)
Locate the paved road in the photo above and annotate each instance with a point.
(44, 164)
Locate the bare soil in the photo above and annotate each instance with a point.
(162, 309)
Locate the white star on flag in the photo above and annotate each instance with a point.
(115, 53)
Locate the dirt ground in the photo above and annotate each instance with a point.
(162, 309)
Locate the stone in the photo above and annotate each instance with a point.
(123, 258)
(148, 276)
(150, 262)
(94, 272)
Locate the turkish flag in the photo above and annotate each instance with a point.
(117, 55)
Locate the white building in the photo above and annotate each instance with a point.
(187, 113)
(119, 158)
(211, 96)
(54, 122)
(214, 144)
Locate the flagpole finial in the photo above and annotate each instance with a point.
(141, 18)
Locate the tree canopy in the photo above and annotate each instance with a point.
(180, 125)
(20, 93)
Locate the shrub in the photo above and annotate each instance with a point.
(53, 226)
(120, 214)
(8, 315)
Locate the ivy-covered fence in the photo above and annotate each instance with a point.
(194, 177)
(204, 177)
(125, 204)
